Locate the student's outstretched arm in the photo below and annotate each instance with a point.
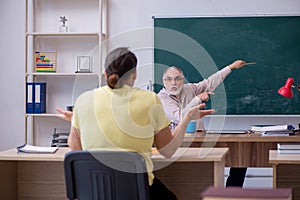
(167, 142)
(65, 114)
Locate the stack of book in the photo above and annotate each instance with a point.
(273, 130)
(288, 148)
(60, 137)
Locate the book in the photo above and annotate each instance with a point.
(288, 151)
(36, 97)
(26, 148)
(263, 128)
(29, 97)
(278, 133)
(39, 97)
(230, 193)
(289, 146)
(258, 127)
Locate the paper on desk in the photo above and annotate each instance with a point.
(36, 149)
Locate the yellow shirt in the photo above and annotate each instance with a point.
(119, 119)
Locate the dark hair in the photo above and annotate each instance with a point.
(118, 63)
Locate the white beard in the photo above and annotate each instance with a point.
(177, 92)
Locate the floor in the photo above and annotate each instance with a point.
(256, 177)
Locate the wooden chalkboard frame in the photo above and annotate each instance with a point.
(201, 46)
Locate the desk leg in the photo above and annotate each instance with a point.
(8, 183)
(274, 175)
(219, 173)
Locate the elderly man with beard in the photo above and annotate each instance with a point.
(178, 97)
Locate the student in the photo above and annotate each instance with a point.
(118, 116)
(177, 98)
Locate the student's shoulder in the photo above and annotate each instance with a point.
(86, 94)
(145, 92)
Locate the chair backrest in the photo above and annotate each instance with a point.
(106, 175)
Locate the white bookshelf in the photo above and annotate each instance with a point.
(83, 38)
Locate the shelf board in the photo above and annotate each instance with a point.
(42, 115)
(60, 74)
(64, 34)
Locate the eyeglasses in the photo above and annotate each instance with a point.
(176, 79)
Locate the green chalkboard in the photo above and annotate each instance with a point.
(202, 45)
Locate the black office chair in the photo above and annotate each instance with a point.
(106, 175)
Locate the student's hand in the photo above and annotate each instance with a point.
(204, 96)
(196, 113)
(237, 64)
(65, 114)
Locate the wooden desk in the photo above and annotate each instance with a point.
(286, 171)
(41, 176)
(245, 150)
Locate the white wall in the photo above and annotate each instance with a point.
(12, 55)
(130, 25)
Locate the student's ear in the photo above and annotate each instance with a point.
(134, 75)
(105, 74)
